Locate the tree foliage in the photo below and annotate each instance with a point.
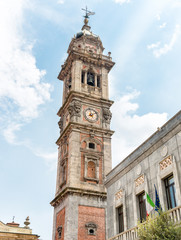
(159, 228)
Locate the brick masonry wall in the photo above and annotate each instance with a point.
(91, 214)
(60, 221)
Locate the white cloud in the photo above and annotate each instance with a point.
(49, 157)
(122, 1)
(153, 45)
(60, 1)
(131, 129)
(22, 89)
(126, 45)
(168, 46)
(163, 25)
(9, 133)
(158, 17)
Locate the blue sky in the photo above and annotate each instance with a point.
(145, 40)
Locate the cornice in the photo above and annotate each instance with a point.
(81, 96)
(78, 191)
(91, 152)
(79, 127)
(99, 60)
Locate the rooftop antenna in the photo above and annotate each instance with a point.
(87, 14)
(13, 219)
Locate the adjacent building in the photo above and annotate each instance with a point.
(13, 231)
(155, 163)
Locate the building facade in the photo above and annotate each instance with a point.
(84, 145)
(156, 162)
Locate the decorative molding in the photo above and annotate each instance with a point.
(119, 195)
(74, 108)
(107, 115)
(138, 170)
(164, 151)
(98, 60)
(139, 180)
(79, 192)
(91, 228)
(68, 83)
(166, 162)
(60, 124)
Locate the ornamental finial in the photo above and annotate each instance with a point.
(27, 222)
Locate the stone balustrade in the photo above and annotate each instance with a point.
(175, 214)
(131, 234)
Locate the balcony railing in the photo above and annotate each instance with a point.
(131, 234)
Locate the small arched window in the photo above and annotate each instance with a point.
(91, 170)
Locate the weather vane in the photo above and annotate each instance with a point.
(87, 14)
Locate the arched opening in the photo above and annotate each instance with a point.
(91, 170)
(90, 79)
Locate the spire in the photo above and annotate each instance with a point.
(86, 17)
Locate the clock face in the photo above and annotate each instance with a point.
(91, 115)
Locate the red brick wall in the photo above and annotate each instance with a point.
(60, 222)
(91, 214)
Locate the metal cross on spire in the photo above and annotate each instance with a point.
(87, 14)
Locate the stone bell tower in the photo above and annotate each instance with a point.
(84, 145)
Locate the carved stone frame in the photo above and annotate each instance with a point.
(92, 158)
(164, 173)
(91, 226)
(118, 202)
(138, 189)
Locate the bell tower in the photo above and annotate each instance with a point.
(84, 145)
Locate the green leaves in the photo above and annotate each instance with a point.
(159, 228)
